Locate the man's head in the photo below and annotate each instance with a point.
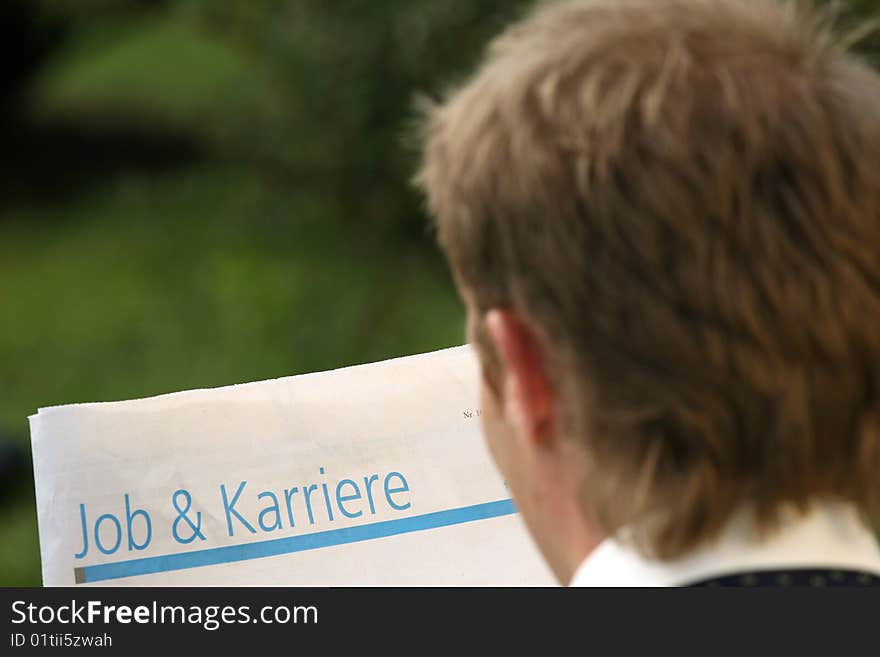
(664, 218)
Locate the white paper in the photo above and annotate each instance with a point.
(381, 468)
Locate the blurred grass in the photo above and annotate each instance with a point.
(19, 549)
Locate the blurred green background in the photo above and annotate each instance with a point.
(202, 192)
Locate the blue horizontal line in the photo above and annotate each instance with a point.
(287, 545)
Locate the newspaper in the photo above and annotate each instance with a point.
(368, 475)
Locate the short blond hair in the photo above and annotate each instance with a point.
(684, 195)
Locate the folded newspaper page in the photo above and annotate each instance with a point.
(367, 475)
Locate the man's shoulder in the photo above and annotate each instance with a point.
(793, 577)
(827, 546)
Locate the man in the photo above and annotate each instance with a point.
(664, 219)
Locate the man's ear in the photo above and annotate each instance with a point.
(528, 397)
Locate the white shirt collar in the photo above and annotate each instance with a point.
(831, 535)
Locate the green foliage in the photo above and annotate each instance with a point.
(350, 73)
(306, 90)
(154, 69)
